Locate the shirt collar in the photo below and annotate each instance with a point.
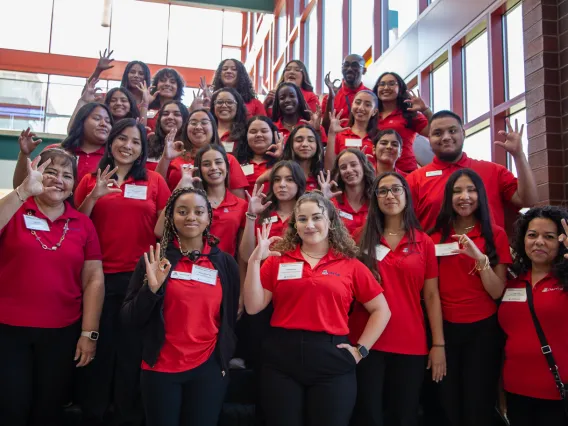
(418, 237)
(349, 91)
(99, 151)
(463, 162)
(331, 255)
(346, 207)
(68, 213)
(229, 200)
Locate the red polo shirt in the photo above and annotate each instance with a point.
(258, 169)
(237, 178)
(463, 297)
(373, 162)
(125, 226)
(396, 121)
(228, 220)
(192, 317)
(151, 164)
(351, 219)
(278, 227)
(86, 163)
(44, 288)
(229, 145)
(525, 371)
(403, 271)
(311, 183)
(255, 107)
(152, 119)
(321, 298)
(285, 132)
(428, 182)
(348, 139)
(343, 99)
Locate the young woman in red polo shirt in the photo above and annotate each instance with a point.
(295, 72)
(183, 298)
(200, 130)
(541, 269)
(232, 73)
(231, 116)
(393, 245)
(401, 110)
(387, 150)
(136, 73)
(305, 148)
(473, 255)
(123, 105)
(50, 277)
(312, 276)
(124, 201)
(167, 85)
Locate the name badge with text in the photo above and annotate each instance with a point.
(345, 215)
(136, 192)
(248, 169)
(434, 173)
(381, 251)
(271, 219)
(186, 276)
(290, 271)
(228, 146)
(204, 275)
(515, 295)
(36, 223)
(357, 143)
(446, 249)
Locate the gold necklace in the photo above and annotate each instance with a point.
(56, 246)
(394, 233)
(309, 255)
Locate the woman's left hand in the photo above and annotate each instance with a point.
(437, 362)
(146, 97)
(315, 118)
(326, 183)
(277, 148)
(563, 238)
(85, 351)
(416, 103)
(469, 247)
(353, 350)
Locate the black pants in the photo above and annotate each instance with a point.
(468, 393)
(388, 389)
(36, 366)
(191, 398)
(306, 380)
(526, 411)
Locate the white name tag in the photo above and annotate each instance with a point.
(228, 146)
(36, 223)
(186, 276)
(290, 271)
(381, 251)
(152, 160)
(446, 249)
(515, 295)
(271, 219)
(354, 142)
(248, 169)
(151, 113)
(345, 215)
(136, 192)
(204, 275)
(434, 173)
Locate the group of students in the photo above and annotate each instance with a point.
(356, 278)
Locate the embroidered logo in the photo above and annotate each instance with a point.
(226, 210)
(546, 290)
(326, 272)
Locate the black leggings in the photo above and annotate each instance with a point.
(191, 398)
(526, 411)
(36, 366)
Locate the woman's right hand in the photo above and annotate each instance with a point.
(156, 269)
(27, 142)
(187, 179)
(262, 250)
(269, 99)
(326, 183)
(335, 122)
(33, 183)
(172, 148)
(255, 205)
(333, 89)
(90, 93)
(105, 183)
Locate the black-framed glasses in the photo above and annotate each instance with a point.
(395, 190)
(228, 102)
(391, 83)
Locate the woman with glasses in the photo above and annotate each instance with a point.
(394, 247)
(230, 114)
(400, 109)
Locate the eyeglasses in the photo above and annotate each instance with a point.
(395, 190)
(228, 102)
(354, 65)
(391, 83)
(195, 123)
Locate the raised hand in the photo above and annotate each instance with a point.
(315, 118)
(33, 183)
(326, 184)
(187, 179)
(172, 148)
(154, 95)
(255, 200)
(105, 183)
(156, 269)
(90, 93)
(146, 96)
(27, 142)
(105, 61)
(469, 247)
(415, 102)
(262, 250)
(277, 148)
(205, 89)
(335, 122)
(513, 138)
(331, 85)
(269, 99)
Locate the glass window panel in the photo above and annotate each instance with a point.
(187, 97)
(312, 45)
(77, 29)
(36, 26)
(361, 26)
(278, 73)
(441, 87)
(113, 83)
(57, 124)
(22, 100)
(476, 57)
(282, 31)
(333, 39)
(192, 23)
(401, 15)
(63, 94)
(231, 52)
(296, 49)
(233, 28)
(297, 13)
(479, 144)
(521, 117)
(515, 69)
(127, 18)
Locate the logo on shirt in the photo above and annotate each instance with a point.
(226, 210)
(405, 250)
(326, 272)
(546, 290)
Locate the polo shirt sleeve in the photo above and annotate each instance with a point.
(323, 135)
(312, 101)
(419, 123)
(324, 103)
(508, 183)
(430, 257)
(92, 249)
(83, 189)
(365, 286)
(269, 273)
(413, 182)
(237, 178)
(243, 211)
(163, 193)
(502, 245)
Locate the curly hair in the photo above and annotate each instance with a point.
(522, 263)
(244, 84)
(368, 174)
(302, 108)
(339, 239)
(169, 228)
(133, 110)
(244, 152)
(167, 73)
(400, 99)
(240, 121)
(157, 141)
(75, 136)
(373, 124)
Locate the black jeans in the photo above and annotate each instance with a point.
(526, 411)
(36, 366)
(191, 398)
(468, 393)
(388, 389)
(306, 380)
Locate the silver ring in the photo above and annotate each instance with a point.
(92, 358)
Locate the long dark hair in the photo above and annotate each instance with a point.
(522, 263)
(138, 170)
(374, 229)
(298, 177)
(400, 99)
(244, 152)
(240, 121)
(372, 126)
(147, 75)
(199, 160)
(316, 162)
(368, 174)
(244, 84)
(167, 72)
(303, 107)
(306, 82)
(448, 215)
(158, 140)
(214, 137)
(74, 138)
(133, 112)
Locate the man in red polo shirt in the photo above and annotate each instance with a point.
(446, 139)
(353, 70)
